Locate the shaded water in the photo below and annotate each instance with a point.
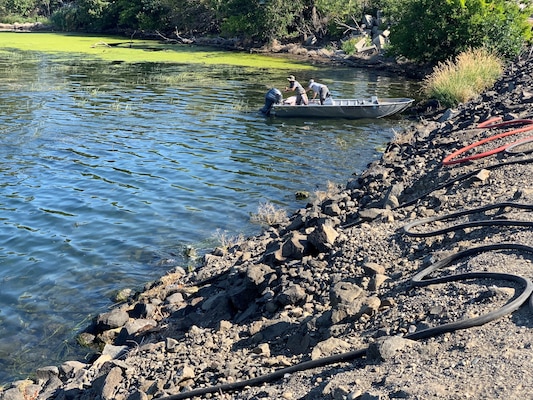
(108, 171)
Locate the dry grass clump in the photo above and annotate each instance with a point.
(457, 81)
(268, 214)
(331, 190)
(226, 241)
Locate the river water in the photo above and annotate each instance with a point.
(109, 171)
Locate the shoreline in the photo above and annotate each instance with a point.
(336, 278)
(312, 54)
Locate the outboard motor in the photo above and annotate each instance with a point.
(272, 97)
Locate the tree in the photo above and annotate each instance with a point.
(24, 8)
(279, 19)
(328, 13)
(85, 15)
(437, 30)
(261, 19)
(143, 14)
(194, 16)
(266, 20)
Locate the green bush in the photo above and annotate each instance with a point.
(21, 11)
(18, 19)
(506, 29)
(348, 46)
(437, 30)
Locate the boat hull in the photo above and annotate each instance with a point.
(344, 108)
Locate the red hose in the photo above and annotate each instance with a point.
(489, 124)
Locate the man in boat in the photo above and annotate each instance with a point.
(319, 89)
(301, 95)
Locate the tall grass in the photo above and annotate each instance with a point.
(457, 81)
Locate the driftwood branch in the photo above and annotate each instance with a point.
(111, 44)
(348, 28)
(116, 44)
(178, 40)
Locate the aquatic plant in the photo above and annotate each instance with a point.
(188, 78)
(70, 46)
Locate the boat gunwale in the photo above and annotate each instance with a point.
(343, 110)
(352, 103)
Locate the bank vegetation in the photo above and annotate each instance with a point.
(421, 30)
(439, 34)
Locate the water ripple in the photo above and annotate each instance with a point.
(107, 173)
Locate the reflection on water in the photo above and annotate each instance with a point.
(107, 172)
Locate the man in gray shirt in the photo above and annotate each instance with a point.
(301, 95)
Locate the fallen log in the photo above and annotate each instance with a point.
(111, 44)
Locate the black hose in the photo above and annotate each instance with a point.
(417, 280)
(501, 222)
(450, 183)
(229, 387)
(465, 176)
(511, 149)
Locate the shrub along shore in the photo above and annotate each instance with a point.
(324, 306)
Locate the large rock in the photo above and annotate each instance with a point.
(293, 246)
(323, 237)
(113, 319)
(134, 328)
(386, 348)
(294, 294)
(349, 303)
(328, 347)
(344, 293)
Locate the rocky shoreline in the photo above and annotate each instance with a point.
(324, 306)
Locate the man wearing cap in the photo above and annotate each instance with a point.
(319, 89)
(301, 95)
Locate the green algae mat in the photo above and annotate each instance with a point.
(121, 49)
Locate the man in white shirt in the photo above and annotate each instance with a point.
(319, 89)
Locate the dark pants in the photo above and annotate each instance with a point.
(324, 94)
(301, 98)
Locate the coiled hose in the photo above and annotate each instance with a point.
(418, 280)
(491, 123)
